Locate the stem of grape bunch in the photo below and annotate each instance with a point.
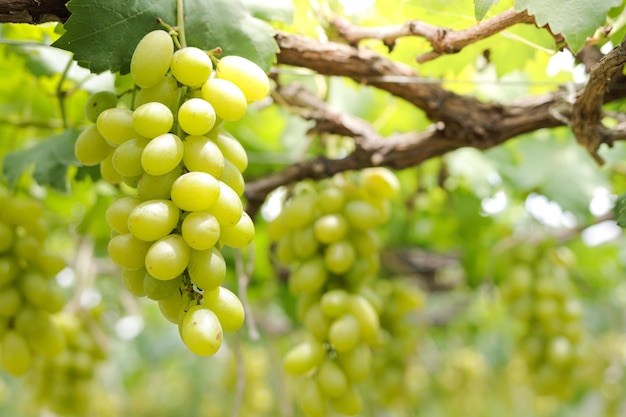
(180, 22)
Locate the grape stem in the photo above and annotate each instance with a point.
(180, 22)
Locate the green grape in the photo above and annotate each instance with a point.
(330, 228)
(366, 242)
(344, 334)
(311, 399)
(356, 363)
(308, 277)
(153, 219)
(201, 230)
(49, 264)
(173, 306)
(349, 404)
(304, 357)
(227, 307)
(10, 301)
(195, 191)
(7, 237)
(168, 257)
(366, 315)
(91, 148)
(157, 289)
(9, 270)
(362, 215)
(108, 172)
(305, 243)
(316, 323)
(38, 291)
(339, 256)
(157, 187)
(230, 148)
(191, 66)
(127, 157)
(117, 213)
(36, 227)
(284, 250)
(334, 303)
(330, 200)
(298, 213)
(196, 116)
(99, 102)
(116, 125)
(202, 154)
(247, 75)
(201, 331)
(151, 58)
(228, 208)
(26, 248)
(207, 268)
(226, 98)
(166, 92)
(332, 380)
(152, 119)
(132, 279)
(232, 177)
(127, 251)
(240, 235)
(21, 211)
(379, 183)
(46, 338)
(15, 354)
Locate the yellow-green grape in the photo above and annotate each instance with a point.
(308, 277)
(230, 148)
(117, 213)
(191, 66)
(166, 91)
(330, 200)
(132, 279)
(349, 404)
(305, 243)
(332, 380)
(10, 301)
(201, 230)
(7, 237)
(311, 399)
(195, 191)
(168, 257)
(232, 177)
(366, 315)
(152, 119)
(157, 187)
(362, 215)
(207, 268)
(173, 306)
(304, 357)
(108, 172)
(356, 363)
(9, 270)
(127, 157)
(330, 228)
(21, 211)
(366, 242)
(201, 330)
(228, 208)
(379, 183)
(339, 256)
(91, 148)
(240, 235)
(196, 116)
(334, 303)
(127, 251)
(99, 102)
(226, 98)
(316, 323)
(247, 75)
(151, 58)
(116, 125)
(153, 219)
(202, 154)
(45, 338)
(158, 289)
(344, 333)
(227, 307)
(15, 354)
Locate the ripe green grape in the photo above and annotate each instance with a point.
(367, 317)
(191, 66)
(305, 243)
(240, 235)
(168, 257)
(157, 187)
(127, 157)
(356, 363)
(15, 355)
(158, 289)
(228, 208)
(166, 91)
(195, 191)
(117, 213)
(7, 237)
(362, 215)
(247, 75)
(334, 303)
(201, 230)
(379, 183)
(202, 154)
(330, 228)
(201, 331)
(9, 269)
(127, 251)
(308, 277)
(196, 116)
(316, 323)
(153, 219)
(116, 125)
(108, 172)
(344, 334)
(207, 268)
(91, 148)
(232, 177)
(226, 98)
(339, 256)
(304, 357)
(311, 399)
(99, 102)
(227, 307)
(230, 148)
(132, 279)
(173, 306)
(162, 154)
(152, 119)
(151, 58)
(332, 380)
(349, 404)
(10, 301)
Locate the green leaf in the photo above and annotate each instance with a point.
(620, 210)
(103, 34)
(575, 19)
(481, 8)
(51, 160)
(280, 10)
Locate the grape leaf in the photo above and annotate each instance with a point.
(281, 10)
(482, 7)
(102, 34)
(51, 159)
(619, 210)
(575, 19)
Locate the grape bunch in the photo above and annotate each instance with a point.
(543, 302)
(65, 384)
(326, 235)
(185, 175)
(29, 294)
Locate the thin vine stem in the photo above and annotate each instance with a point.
(180, 22)
(61, 95)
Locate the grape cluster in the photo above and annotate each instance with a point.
(326, 235)
(29, 295)
(65, 383)
(185, 171)
(543, 302)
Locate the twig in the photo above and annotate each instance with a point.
(244, 274)
(442, 40)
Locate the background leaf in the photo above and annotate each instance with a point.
(481, 7)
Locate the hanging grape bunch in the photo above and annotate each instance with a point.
(29, 295)
(326, 235)
(186, 175)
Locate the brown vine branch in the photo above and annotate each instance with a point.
(442, 40)
(587, 110)
(33, 12)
